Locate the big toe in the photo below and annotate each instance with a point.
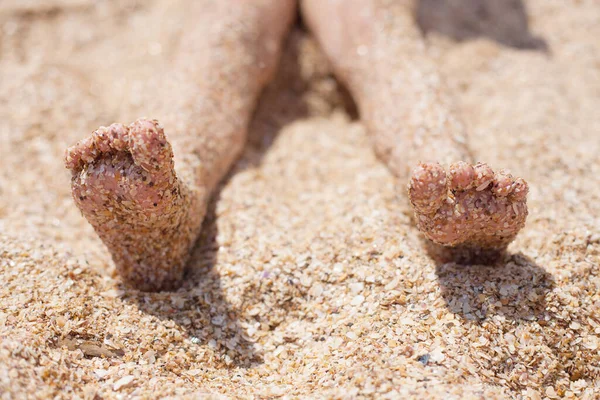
(149, 146)
(427, 188)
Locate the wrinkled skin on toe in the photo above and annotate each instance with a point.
(124, 183)
(468, 205)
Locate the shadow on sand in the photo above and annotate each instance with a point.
(504, 21)
(511, 285)
(200, 307)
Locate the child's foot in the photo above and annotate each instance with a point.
(124, 184)
(123, 177)
(470, 206)
(377, 49)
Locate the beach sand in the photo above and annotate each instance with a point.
(309, 278)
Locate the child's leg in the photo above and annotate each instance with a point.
(146, 212)
(376, 48)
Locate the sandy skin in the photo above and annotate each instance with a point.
(468, 204)
(124, 183)
(146, 203)
(376, 49)
(148, 207)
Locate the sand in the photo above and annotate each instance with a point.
(309, 279)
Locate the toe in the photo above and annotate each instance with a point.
(483, 176)
(82, 152)
(461, 175)
(102, 140)
(427, 188)
(149, 146)
(519, 189)
(113, 137)
(503, 183)
(72, 157)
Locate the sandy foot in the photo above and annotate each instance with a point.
(377, 49)
(124, 183)
(468, 205)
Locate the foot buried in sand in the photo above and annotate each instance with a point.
(124, 183)
(468, 206)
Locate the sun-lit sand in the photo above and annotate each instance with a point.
(309, 278)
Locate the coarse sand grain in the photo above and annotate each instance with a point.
(309, 278)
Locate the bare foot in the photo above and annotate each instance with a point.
(468, 205)
(124, 183)
(377, 50)
(123, 177)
